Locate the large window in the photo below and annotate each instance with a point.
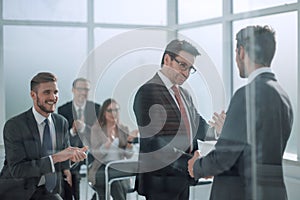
(249, 5)
(195, 10)
(28, 50)
(131, 12)
(49, 10)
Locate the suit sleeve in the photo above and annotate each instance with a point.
(151, 117)
(231, 143)
(65, 143)
(17, 155)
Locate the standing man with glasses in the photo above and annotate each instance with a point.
(81, 115)
(169, 123)
(37, 147)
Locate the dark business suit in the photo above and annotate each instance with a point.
(24, 164)
(90, 114)
(263, 109)
(163, 172)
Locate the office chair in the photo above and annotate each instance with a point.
(129, 169)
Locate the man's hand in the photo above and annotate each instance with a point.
(79, 154)
(74, 154)
(218, 121)
(78, 125)
(68, 175)
(191, 162)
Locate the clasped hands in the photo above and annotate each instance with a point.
(191, 163)
(74, 154)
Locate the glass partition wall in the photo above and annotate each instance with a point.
(63, 36)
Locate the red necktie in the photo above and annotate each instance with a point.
(182, 110)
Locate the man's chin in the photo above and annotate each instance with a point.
(50, 110)
(180, 82)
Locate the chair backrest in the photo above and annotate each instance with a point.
(128, 169)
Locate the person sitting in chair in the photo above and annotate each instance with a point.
(110, 141)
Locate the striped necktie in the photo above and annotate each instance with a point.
(182, 110)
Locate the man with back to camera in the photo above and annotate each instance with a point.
(81, 115)
(37, 147)
(169, 123)
(247, 161)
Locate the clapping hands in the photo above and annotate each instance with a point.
(74, 154)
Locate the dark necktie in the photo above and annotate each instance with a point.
(182, 111)
(79, 113)
(48, 150)
(47, 141)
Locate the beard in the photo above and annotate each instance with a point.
(42, 107)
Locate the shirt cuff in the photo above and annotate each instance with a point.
(52, 164)
(82, 129)
(72, 132)
(217, 135)
(197, 170)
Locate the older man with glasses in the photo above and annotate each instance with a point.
(168, 120)
(81, 115)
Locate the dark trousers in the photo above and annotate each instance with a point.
(176, 195)
(163, 187)
(42, 193)
(70, 192)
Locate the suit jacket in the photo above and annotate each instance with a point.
(162, 129)
(259, 120)
(99, 137)
(24, 164)
(90, 116)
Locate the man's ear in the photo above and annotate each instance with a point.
(241, 52)
(32, 94)
(167, 59)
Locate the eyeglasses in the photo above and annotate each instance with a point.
(184, 66)
(80, 89)
(113, 110)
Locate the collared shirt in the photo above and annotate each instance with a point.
(41, 124)
(78, 107)
(169, 86)
(259, 71)
(73, 134)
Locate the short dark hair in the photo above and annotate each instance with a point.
(79, 79)
(175, 46)
(259, 43)
(42, 77)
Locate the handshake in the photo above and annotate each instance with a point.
(74, 154)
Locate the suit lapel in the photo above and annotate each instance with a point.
(34, 130)
(169, 99)
(57, 131)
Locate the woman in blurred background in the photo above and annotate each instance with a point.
(110, 141)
